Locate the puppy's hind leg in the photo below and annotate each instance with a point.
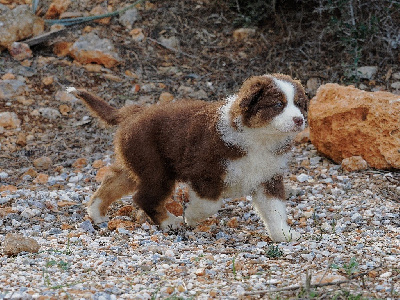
(151, 195)
(116, 184)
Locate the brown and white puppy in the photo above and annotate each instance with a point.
(223, 149)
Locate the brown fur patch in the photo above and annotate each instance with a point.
(259, 101)
(275, 187)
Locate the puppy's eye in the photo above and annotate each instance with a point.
(278, 105)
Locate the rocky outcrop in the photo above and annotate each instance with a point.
(346, 122)
(90, 48)
(18, 24)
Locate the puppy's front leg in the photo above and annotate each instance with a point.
(269, 201)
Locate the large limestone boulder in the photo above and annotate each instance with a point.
(346, 122)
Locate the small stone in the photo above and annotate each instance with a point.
(94, 68)
(64, 109)
(171, 42)
(97, 164)
(16, 243)
(367, 72)
(396, 85)
(56, 8)
(49, 113)
(43, 163)
(166, 97)
(174, 207)
(137, 34)
(41, 178)
(356, 217)
(12, 88)
(302, 177)
(8, 76)
(233, 223)
(9, 120)
(61, 49)
(242, 34)
(21, 139)
(20, 51)
(129, 17)
(313, 84)
(31, 172)
(100, 10)
(49, 80)
(386, 275)
(117, 223)
(80, 163)
(3, 175)
(354, 163)
(303, 136)
(87, 226)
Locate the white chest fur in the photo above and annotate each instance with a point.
(262, 160)
(244, 175)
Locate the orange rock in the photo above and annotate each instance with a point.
(80, 163)
(61, 49)
(174, 207)
(125, 211)
(8, 188)
(21, 139)
(116, 223)
(233, 223)
(8, 76)
(48, 80)
(166, 97)
(90, 48)
(100, 10)
(346, 122)
(354, 163)
(41, 178)
(97, 164)
(303, 136)
(101, 173)
(31, 172)
(64, 109)
(56, 8)
(137, 34)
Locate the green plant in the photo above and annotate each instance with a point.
(274, 251)
(350, 268)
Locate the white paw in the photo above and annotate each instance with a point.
(94, 212)
(172, 222)
(286, 235)
(191, 222)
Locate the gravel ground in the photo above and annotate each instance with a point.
(350, 224)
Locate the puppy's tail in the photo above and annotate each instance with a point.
(98, 106)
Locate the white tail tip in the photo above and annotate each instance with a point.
(70, 89)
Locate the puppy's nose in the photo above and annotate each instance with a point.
(298, 121)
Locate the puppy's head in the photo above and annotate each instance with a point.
(276, 101)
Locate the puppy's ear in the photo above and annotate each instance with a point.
(251, 91)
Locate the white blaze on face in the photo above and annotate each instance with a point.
(285, 121)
